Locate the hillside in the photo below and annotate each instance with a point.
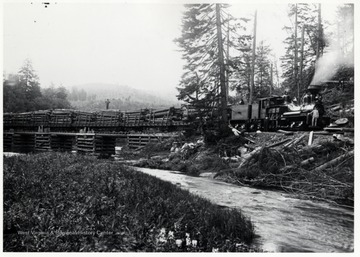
(92, 97)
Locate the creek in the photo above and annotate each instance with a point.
(282, 222)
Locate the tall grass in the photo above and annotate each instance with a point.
(61, 202)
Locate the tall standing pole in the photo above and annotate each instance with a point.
(222, 67)
(271, 79)
(252, 83)
(301, 59)
(227, 58)
(318, 45)
(296, 54)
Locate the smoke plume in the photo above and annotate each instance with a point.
(339, 53)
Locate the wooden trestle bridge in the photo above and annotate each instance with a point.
(92, 143)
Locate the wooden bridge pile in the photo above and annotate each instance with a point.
(8, 119)
(23, 143)
(42, 142)
(138, 141)
(91, 143)
(8, 141)
(98, 144)
(62, 142)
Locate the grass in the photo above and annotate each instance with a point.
(62, 202)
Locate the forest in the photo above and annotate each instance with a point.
(224, 63)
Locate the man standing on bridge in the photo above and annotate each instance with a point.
(107, 102)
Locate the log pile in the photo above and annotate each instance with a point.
(61, 118)
(109, 118)
(83, 119)
(41, 118)
(322, 170)
(21, 120)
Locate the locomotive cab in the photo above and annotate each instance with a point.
(271, 110)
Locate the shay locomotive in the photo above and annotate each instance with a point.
(267, 114)
(272, 113)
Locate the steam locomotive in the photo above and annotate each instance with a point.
(272, 113)
(267, 114)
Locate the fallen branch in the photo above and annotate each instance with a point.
(303, 163)
(323, 133)
(249, 147)
(295, 141)
(285, 132)
(279, 143)
(249, 155)
(249, 140)
(333, 162)
(340, 129)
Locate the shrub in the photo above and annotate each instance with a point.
(62, 202)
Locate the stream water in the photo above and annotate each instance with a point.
(283, 223)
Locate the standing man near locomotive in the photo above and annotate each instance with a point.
(315, 116)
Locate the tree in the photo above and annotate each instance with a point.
(262, 72)
(29, 80)
(14, 95)
(22, 92)
(241, 74)
(207, 71)
(240, 64)
(201, 42)
(53, 98)
(307, 17)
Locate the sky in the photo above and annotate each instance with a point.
(115, 42)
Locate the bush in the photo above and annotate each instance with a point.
(62, 202)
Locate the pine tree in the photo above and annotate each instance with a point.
(204, 35)
(29, 80)
(198, 43)
(307, 18)
(262, 71)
